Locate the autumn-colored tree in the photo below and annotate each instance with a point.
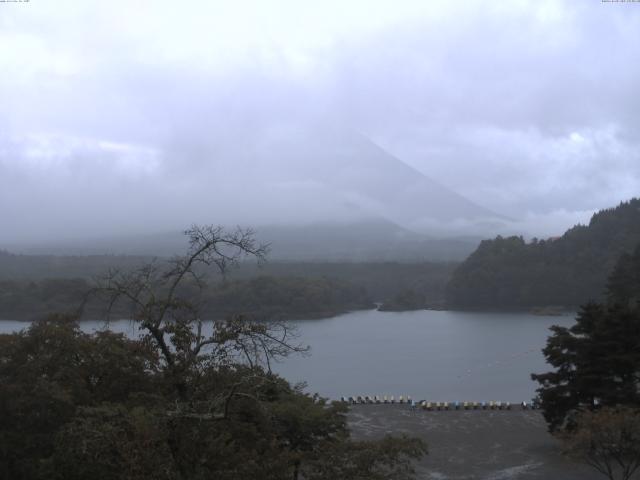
(607, 439)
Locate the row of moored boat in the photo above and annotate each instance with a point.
(427, 405)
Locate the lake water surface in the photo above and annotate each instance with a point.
(440, 356)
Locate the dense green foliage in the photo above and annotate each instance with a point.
(623, 287)
(597, 360)
(77, 406)
(568, 271)
(190, 399)
(51, 371)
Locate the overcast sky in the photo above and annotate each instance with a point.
(529, 108)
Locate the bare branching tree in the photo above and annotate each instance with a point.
(607, 440)
(165, 299)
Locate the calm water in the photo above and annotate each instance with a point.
(442, 356)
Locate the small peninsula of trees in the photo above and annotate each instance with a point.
(189, 399)
(405, 300)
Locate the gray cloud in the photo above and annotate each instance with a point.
(528, 108)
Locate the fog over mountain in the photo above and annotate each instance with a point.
(442, 118)
(312, 191)
(307, 173)
(287, 174)
(345, 241)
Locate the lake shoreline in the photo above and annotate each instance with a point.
(440, 356)
(542, 312)
(323, 315)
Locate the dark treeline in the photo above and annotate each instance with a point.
(258, 297)
(381, 280)
(26, 299)
(285, 297)
(408, 299)
(31, 286)
(566, 271)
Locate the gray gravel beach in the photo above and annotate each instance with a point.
(473, 444)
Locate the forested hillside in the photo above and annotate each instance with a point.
(509, 272)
